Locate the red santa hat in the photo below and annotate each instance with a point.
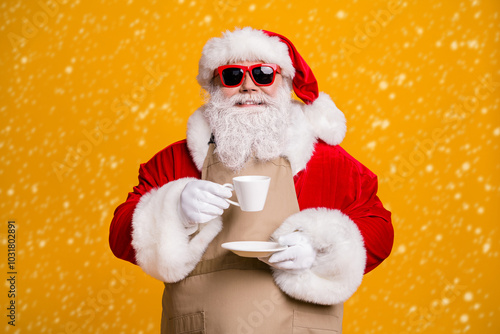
(250, 44)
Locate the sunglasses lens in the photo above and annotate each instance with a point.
(263, 75)
(232, 76)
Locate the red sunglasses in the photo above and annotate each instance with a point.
(261, 74)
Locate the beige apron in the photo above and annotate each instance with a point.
(228, 294)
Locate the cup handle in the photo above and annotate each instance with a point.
(230, 186)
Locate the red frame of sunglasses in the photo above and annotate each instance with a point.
(276, 69)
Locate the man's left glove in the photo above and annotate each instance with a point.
(299, 255)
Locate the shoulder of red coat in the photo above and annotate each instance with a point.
(178, 148)
(339, 155)
(173, 161)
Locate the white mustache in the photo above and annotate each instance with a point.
(252, 99)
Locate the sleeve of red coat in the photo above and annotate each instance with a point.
(345, 222)
(372, 220)
(167, 165)
(335, 180)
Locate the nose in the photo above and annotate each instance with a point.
(248, 85)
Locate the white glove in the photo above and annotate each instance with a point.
(202, 201)
(299, 255)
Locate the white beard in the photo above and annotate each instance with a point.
(257, 131)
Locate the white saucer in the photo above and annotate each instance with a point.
(253, 248)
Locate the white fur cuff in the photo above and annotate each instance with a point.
(341, 257)
(162, 244)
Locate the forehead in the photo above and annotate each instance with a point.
(245, 62)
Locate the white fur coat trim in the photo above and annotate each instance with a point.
(198, 135)
(326, 120)
(162, 244)
(341, 257)
(302, 133)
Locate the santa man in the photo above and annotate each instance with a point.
(322, 203)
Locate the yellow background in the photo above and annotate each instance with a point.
(419, 83)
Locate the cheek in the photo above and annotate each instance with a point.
(228, 92)
(273, 89)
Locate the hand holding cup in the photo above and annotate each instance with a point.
(202, 201)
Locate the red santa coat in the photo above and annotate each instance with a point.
(332, 179)
(337, 197)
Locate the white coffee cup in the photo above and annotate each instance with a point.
(251, 191)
